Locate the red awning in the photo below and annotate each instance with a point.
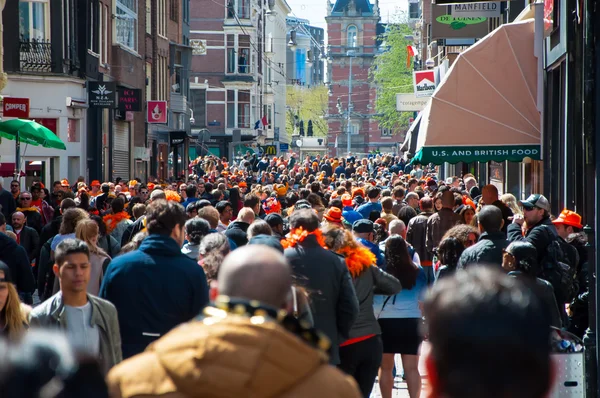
(8, 170)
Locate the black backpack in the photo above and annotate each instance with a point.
(559, 267)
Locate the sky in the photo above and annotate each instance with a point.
(316, 10)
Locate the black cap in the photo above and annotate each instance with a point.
(267, 240)
(274, 219)
(4, 268)
(362, 226)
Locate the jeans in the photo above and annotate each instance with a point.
(362, 360)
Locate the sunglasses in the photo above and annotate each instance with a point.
(26, 198)
(144, 192)
(528, 208)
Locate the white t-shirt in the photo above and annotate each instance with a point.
(83, 336)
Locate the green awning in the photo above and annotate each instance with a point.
(468, 154)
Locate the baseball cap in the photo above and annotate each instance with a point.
(536, 200)
(568, 217)
(362, 226)
(6, 270)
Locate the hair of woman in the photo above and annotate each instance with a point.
(399, 263)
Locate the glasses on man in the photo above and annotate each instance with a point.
(25, 197)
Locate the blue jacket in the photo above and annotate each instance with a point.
(366, 209)
(154, 289)
(351, 215)
(375, 250)
(188, 201)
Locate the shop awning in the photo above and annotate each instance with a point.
(8, 170)
(485, 109)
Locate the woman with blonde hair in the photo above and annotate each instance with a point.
(362, 353)
(13, 314)
(88, 231)
(510, 201)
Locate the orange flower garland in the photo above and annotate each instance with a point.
(297, 235)
(357, 259)
(112, 220)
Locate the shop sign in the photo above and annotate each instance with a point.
(130, 100)
(177, 137)
(424, 83)
(157, 112)
(16, 107)
(102, 94)
(488, 10)
(446, 2)
(468, 154)
(446, 26)
(457, 23)
(269, 150)
(284, 147)
(410, 103)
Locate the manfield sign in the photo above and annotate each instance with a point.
(487, 10)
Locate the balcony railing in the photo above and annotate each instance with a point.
(35, 55)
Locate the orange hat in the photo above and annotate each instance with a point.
(95, 183)
(151, 186)
(243, 184)
(132, 183)
(65, 183)
(568, 217)
(358, 192)
(333, 214)
(346, 200)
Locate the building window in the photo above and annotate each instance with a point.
(148, 80)
(103, 33)
(161, 15)
(148, 16)
(244, 54)
(231, 55)
(34, 20)
(231, 109)
(413, 11)
(68, 29)
(126, 23)
(243, 108)
(238, 8)
(351, 34)
(174, 10)
(162, 81)
(268, 112)
(386, 132)
(73, 130)
(177, 69)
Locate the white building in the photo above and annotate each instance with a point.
(48, 97)
(275, 70)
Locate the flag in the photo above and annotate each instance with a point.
(411, 51)
(261, 123)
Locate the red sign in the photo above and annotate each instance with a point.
(424, 83)
(16, 107)
(157, 112)
(428, 75)
(130, 100)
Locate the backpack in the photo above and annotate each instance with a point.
(559, 267)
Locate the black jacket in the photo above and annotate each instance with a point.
(488, 251)
(16, 258)
(370, 282)
(540, 235)
(132, 230)
(237, 232)
(7, 202)
(45, 277)
(545, 292)
(30, 241)
(333, 299)
(51, 229)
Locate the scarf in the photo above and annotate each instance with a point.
(24, 209)
(297, 235)
(112, 220)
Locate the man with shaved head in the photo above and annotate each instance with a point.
(489, 196)
(27, 237)
(268, 352)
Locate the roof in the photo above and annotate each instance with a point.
(361, 6)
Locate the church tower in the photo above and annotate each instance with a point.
(353, 28)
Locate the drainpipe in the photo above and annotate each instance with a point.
(591, 130)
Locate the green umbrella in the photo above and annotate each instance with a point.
(29, 132)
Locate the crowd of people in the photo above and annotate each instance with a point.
(280, 276)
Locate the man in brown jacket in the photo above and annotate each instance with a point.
(417, 236)
(439, 223)
(245, 346)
